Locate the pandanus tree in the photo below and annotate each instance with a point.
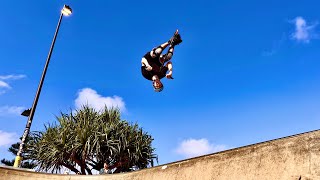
(83, 140)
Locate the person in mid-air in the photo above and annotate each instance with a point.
(156, 65)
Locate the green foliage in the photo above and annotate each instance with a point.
(84, 140)
(7, 162)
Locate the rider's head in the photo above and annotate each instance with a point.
(157, 85)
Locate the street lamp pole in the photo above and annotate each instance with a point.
(66, 11)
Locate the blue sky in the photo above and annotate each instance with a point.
(246, 71)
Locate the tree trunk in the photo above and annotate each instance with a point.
(72, 168)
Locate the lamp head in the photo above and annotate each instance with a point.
(66, 10)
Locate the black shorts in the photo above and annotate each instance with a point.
(149, 74)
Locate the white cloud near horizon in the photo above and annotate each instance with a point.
(196, 147)
(5, 85)
(6, 138)
(11, 110)
(88, 96)
(303, 32)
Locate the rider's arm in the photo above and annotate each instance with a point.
(145, 63)
(169, 74)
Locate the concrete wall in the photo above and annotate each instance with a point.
(291, 158)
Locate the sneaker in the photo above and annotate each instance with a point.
(175, 39)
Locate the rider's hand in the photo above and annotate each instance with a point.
(169, 76)
(148, 68)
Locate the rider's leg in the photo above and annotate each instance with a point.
(167, 57)
(174, 40)
(158, 50)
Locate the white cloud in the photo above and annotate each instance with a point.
(6, 139)
(197, 147)
(92, 98)
(12, 77)
(11, 110)
(4, 84)
(303, 32)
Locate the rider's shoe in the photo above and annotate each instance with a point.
(175, 39)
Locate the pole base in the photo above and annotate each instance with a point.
(17, 161)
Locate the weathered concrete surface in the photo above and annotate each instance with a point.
(289, 158)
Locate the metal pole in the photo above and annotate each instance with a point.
(35, 102)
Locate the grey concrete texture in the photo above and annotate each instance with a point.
(294, 157)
